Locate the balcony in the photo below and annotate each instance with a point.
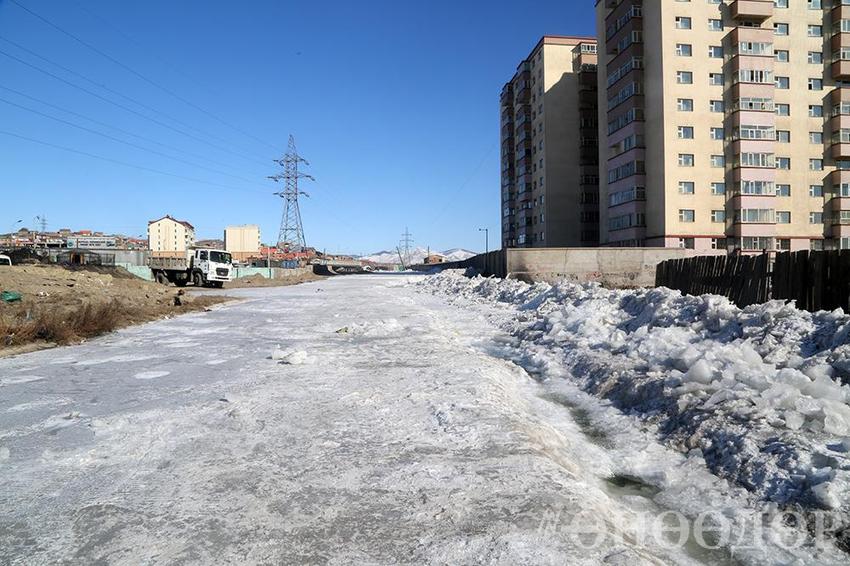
(751, 9)
(841, 70)
(840, 150)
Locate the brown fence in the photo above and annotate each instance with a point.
(816, 280)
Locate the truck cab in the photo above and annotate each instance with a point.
(211, 267)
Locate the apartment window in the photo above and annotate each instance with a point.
(815, 5)
(815, 111)
(717, 161)
(755, 216)
(816, 137)
(780, 29)
(783, 190)
(756, 243)
(783, 244)
(782, 83)
(815, 164)
(780, 3)
(686, 187)
(718, 188)
(758, 76)
(783, 217)
(781, 55)
(715, 51)
(718, 243)
(756, 159)
(686, 160)
(716, 133)
(715, 105)
(718, 216)
(715, 25)
(715, 79)
(684, 77)
(783, 163)
(815, 57)
(687, 243)
(783, 109)
(815, 190)
(816, 245)
(683, 22)
(815, 31)
(686, 215)
(816, 218)
(686, 132)
(685, 104)
(815, 84)
(683, 49)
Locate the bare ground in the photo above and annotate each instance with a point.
(260, 281)
(62, 306)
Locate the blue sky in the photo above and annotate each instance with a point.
(394, 103)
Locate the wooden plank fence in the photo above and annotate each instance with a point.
(745, 279)
(815, 280)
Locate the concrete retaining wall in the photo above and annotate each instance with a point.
(612, 267)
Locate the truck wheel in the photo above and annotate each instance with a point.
(217, 284)
(181, 282)
(161, 278)
(198, 279)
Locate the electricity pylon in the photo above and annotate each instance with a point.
(291, 234)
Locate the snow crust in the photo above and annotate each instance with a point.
(760, 394)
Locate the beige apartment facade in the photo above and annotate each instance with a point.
(724, 124)
(242, 241)
(549, 152)
(169, 236)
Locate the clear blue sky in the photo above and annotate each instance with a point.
(395, 104)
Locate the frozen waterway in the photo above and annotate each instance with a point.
(353, 420)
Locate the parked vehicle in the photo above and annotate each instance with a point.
(5, 260)
(203, 267)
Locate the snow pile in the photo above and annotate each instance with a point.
(292, 357)
(761, 393)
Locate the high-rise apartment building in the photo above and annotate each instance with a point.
(170, 237)
(550, 170)
(725, 124)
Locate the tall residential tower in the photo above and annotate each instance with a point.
(725, 124)
(550, 168)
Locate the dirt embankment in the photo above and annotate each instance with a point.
(61, 306)
(260, 281)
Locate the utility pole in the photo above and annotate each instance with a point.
(406, 242)
(486, 239)
(291, 235)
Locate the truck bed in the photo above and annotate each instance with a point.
(176, 263)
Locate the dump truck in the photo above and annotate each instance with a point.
(203, 267)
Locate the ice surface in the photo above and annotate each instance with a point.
(756, 393)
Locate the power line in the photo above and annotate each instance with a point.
(124, 163)
(118, 140)
(138, 74)
(111, 90)
(104, 124)
(127, 109)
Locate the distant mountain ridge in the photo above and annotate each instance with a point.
(417, 255)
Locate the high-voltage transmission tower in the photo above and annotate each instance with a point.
(291, 235)
(405, 244)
